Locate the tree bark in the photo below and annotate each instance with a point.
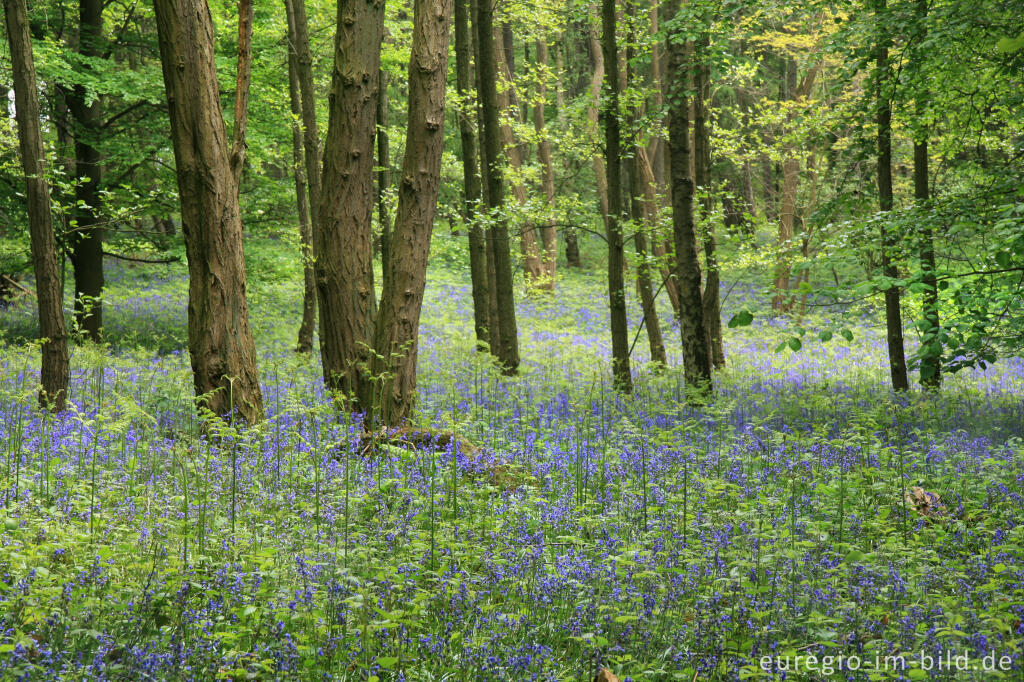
(343, 239)
(883, 117)
(86, 238)
(506, 345)
(548, 233)
(384, 174)
(696, 356)
(931, 355)
(304, 343)
(702, 155)
(220, 341)
(55, 367)
(299, 32)
(471, 173)
(613, 227)
(243, 78)
(396, 333)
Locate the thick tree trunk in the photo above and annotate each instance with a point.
(471, 173)
(696, 355)
(506, 345)
(616, 286)
(86, 239)
(220, 341)
(396, 333)
(304, 343)
(343, 239)
(548, 233)
(883, 116)
(55, 364)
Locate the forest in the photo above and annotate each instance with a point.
(502, 340)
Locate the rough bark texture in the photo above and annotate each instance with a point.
(883, 116)
(220, 341)
(304, 344)
(597, 71)
(613, 227)
(696, 358)
(55, 365)
(471, 173)
(506, 345)
(342, 239)
(702, 156)
(548, 233)
(395, 337)
(86, 238)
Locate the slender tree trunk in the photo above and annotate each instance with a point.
(702, 155)
(86, 238)
(931, 361)
(305, 335)
(549, 236)
(652, 202)
(243, 78)
(395, 337)
(696, 355)
(893, 319)
(616, 286)
(597, 70)
(507, 346)
(533, 268)
(220, 340)
(55, 363)
(310, 132)
(471, 173)
(572, 247)
(644, 219)
(931, 339)
(343, 239)
(384, 174)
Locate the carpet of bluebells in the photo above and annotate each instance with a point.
(568, 528)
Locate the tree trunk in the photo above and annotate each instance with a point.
(243, 78)
(384, 174)
(696, 355)
(471, 173)
(549, 236)
(299, 31)
(506, 345)
(86, 239)
(931, 355)
(55, 367)
(395, 337)
(305, 335)
(783, 300)
(702, 155)
(652, 202)
(343, 239)
(597, 70)
(883, 115)
(220, 341)
(644, 219)
(533, 269)
(613, 227)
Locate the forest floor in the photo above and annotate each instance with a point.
(805, 515)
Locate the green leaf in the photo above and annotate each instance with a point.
(846, 334)
(1003, 259)
(741, 319)
(795, 343)
(825, 336)
(387, 662)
